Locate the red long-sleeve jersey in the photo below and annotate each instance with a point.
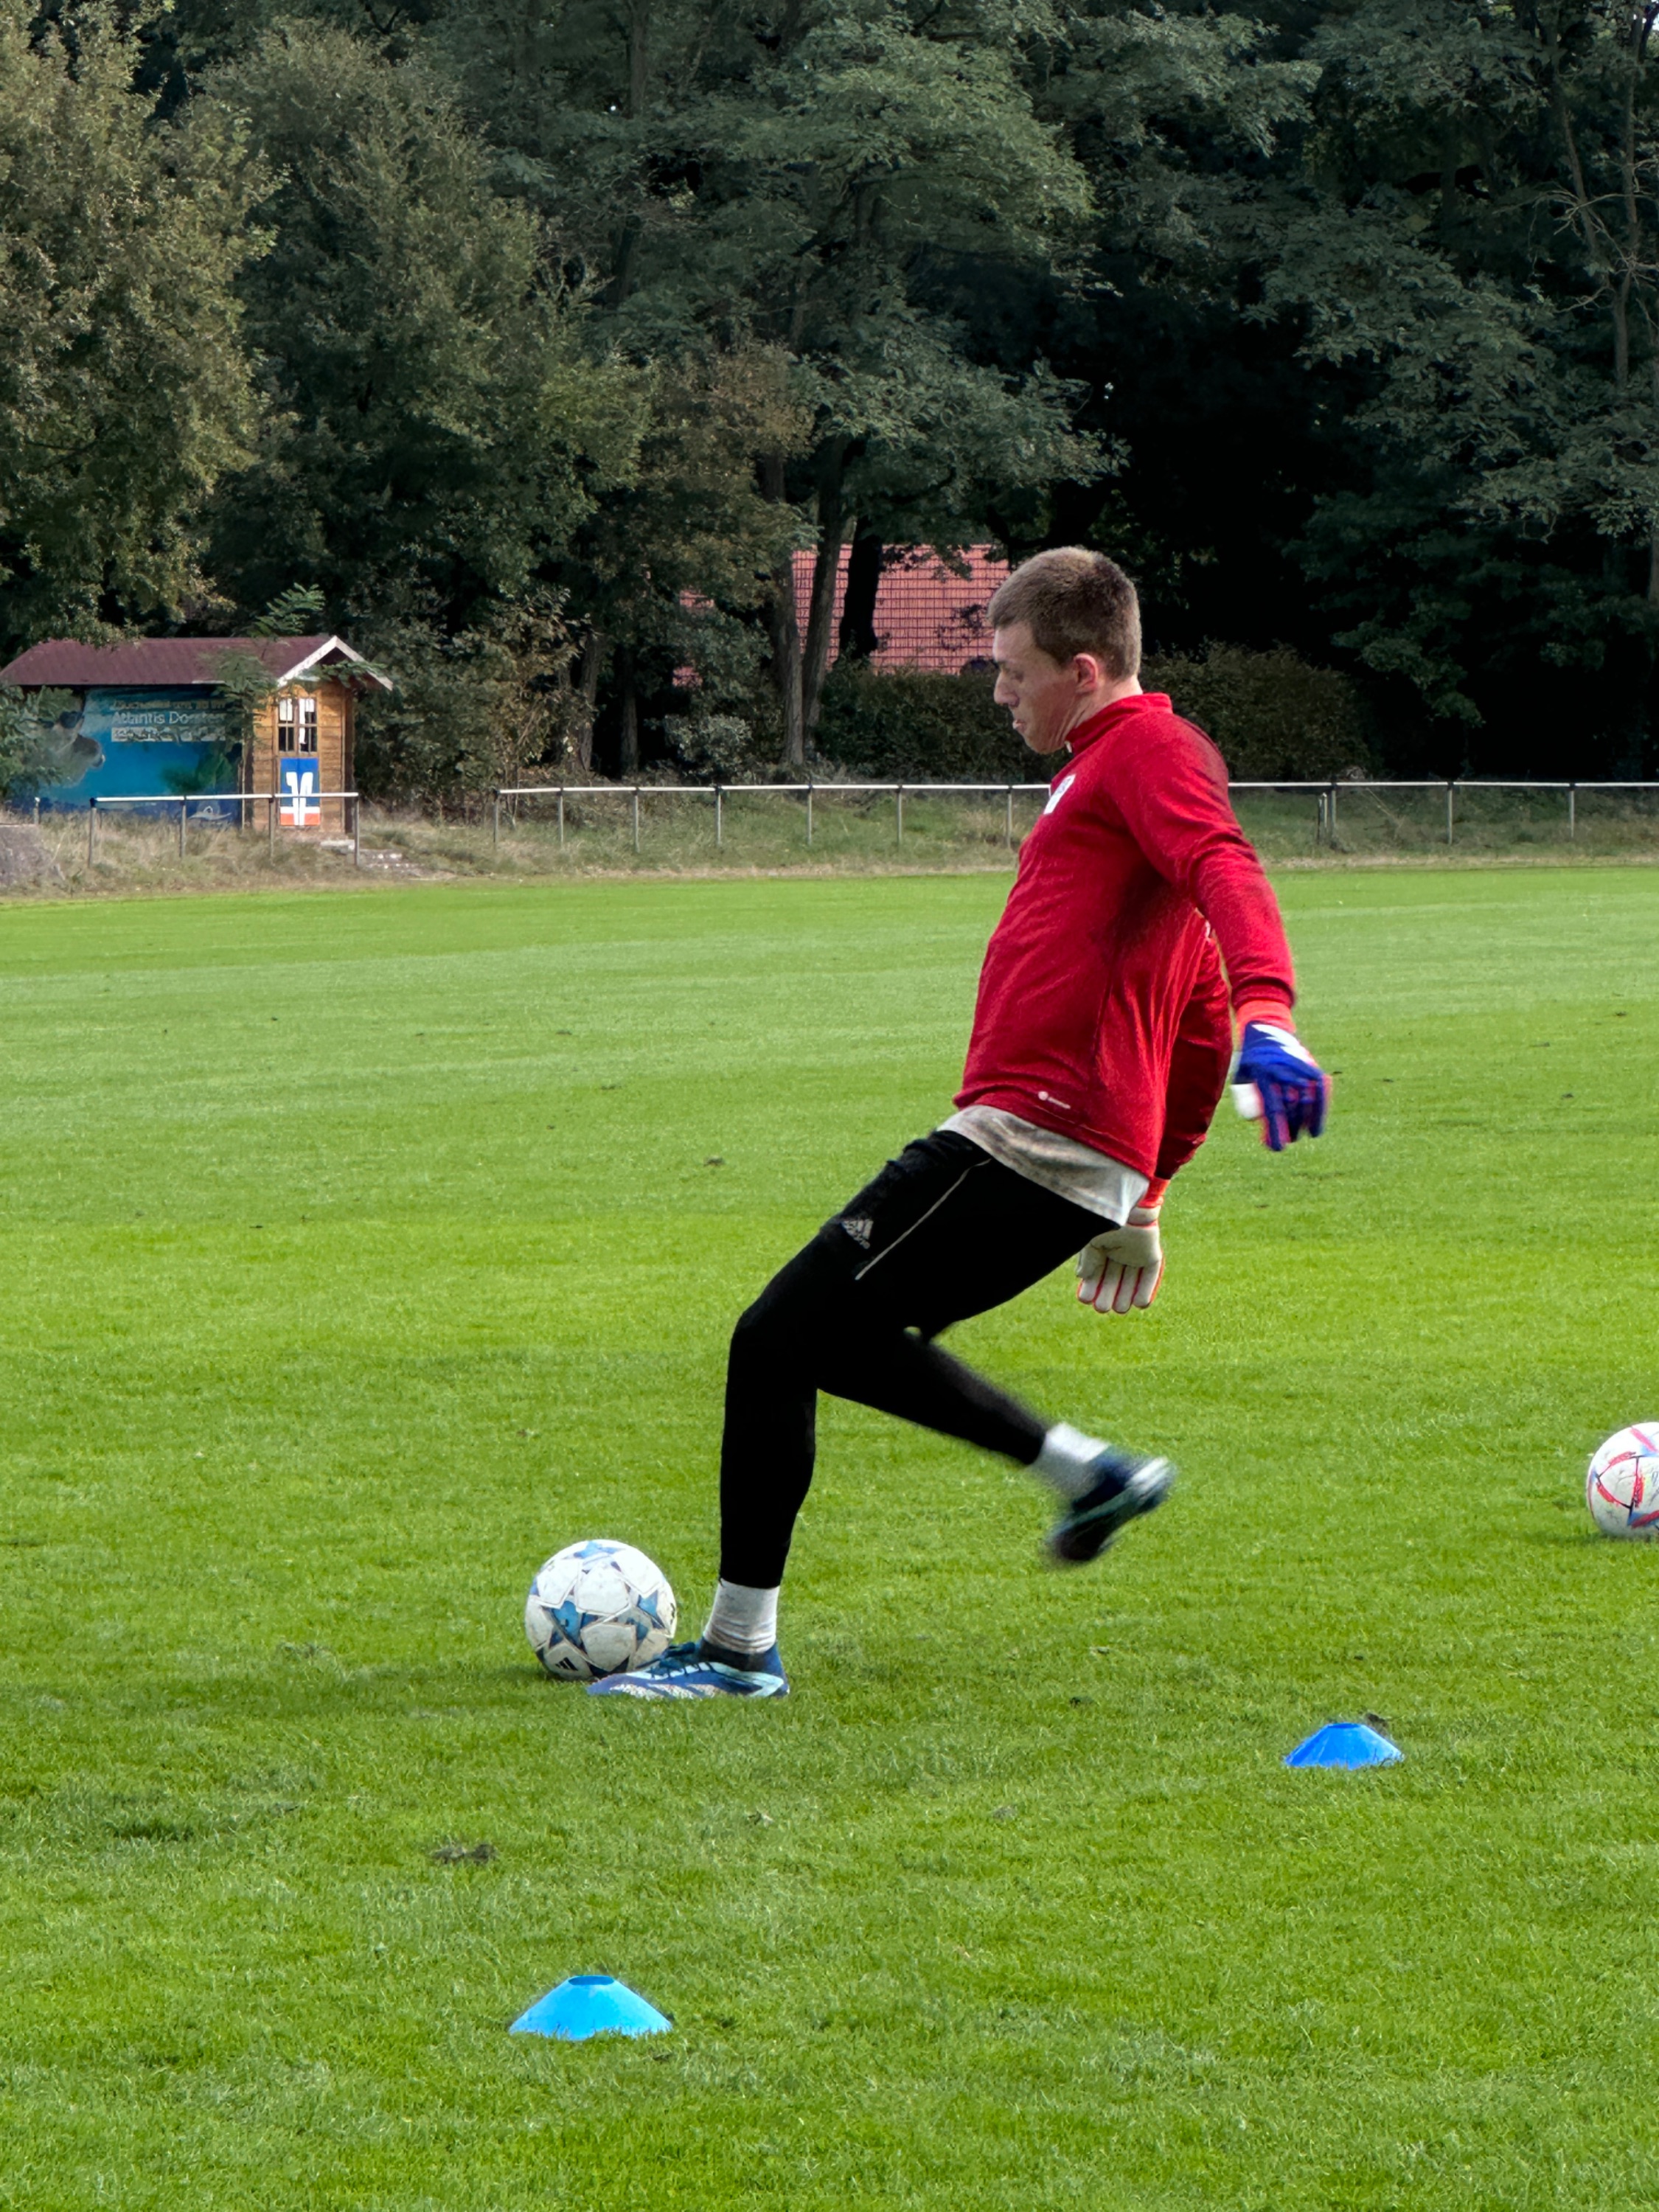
(1102, 1010)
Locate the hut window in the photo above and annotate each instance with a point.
(296, 722)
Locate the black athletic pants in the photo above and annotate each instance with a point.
(943, 1231)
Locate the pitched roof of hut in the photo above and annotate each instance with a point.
(179, 662)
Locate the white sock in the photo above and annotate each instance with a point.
(742, 1620)
(1067, 1460)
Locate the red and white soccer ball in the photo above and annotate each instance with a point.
(599, 1608)
(1622, 1486)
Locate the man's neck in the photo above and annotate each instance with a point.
(1097, 701)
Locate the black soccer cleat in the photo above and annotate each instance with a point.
(1126, 1487)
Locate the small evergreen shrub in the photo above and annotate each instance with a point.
(710, 748)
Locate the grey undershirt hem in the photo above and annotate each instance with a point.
(1057, 1163)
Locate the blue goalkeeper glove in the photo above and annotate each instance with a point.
(1278, 1081)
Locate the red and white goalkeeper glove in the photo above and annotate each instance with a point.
(1122, 1268)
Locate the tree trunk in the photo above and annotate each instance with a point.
(1583, 205)
(826, 570)
(784, 631)
(628, 261)
(859, 641)
(638, 56)
(587, 701)
(1632, 255)
(628, 761)
(786, 661)
(631, 234)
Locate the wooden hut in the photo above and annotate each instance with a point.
(155, 717)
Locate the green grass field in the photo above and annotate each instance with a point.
(355, 1252)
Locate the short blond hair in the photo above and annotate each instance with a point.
(1074, 601)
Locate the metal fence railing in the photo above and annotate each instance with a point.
(1335, 800)
(1327, 793)
(1358, 787)
(719, 792)
(301, 805)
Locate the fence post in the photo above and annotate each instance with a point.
(1333, 823)
(270, 823)
(1572, 810)
(1321, 802)
(1450, 791)
(356, 831)
(183, 804)
(37, 810)
(808, 813)
(562, 817)
(636, 818)
(1008, 833)
(496, 838)
(720, 819)
(92, 831)
(899, 789)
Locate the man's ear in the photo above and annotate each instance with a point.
(1089, 671)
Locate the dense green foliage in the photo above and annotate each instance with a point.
(1338, 320)
(1271, 715)
(35, 749)
(912, 723)
(355, 1252)
(125, 387)
(430, 418)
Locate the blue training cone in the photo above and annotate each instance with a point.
(591, 2004)
(1345, 1743)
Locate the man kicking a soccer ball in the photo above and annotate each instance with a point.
(1101, 1042)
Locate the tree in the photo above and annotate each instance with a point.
(1340, 327)
(785, 177)
(670, 566)
(1480, 236)
(436, 428)
(37, 740)
(1190, 126)
(124, 394)
(494, 706)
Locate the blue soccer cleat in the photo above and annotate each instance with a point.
(1126, 1487)
(699, 1670)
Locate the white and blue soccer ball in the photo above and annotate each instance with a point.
(1621, 1487)
(599, 1608)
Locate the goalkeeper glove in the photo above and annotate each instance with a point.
(1278, 1081)
(1123, 1268)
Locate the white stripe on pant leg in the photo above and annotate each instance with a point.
(859, 1273)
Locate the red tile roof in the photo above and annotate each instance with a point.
(173, 661)
(927, 616)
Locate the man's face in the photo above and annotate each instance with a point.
(1047, 698)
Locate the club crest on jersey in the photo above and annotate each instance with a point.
(1060, 792)
(858, 1229)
